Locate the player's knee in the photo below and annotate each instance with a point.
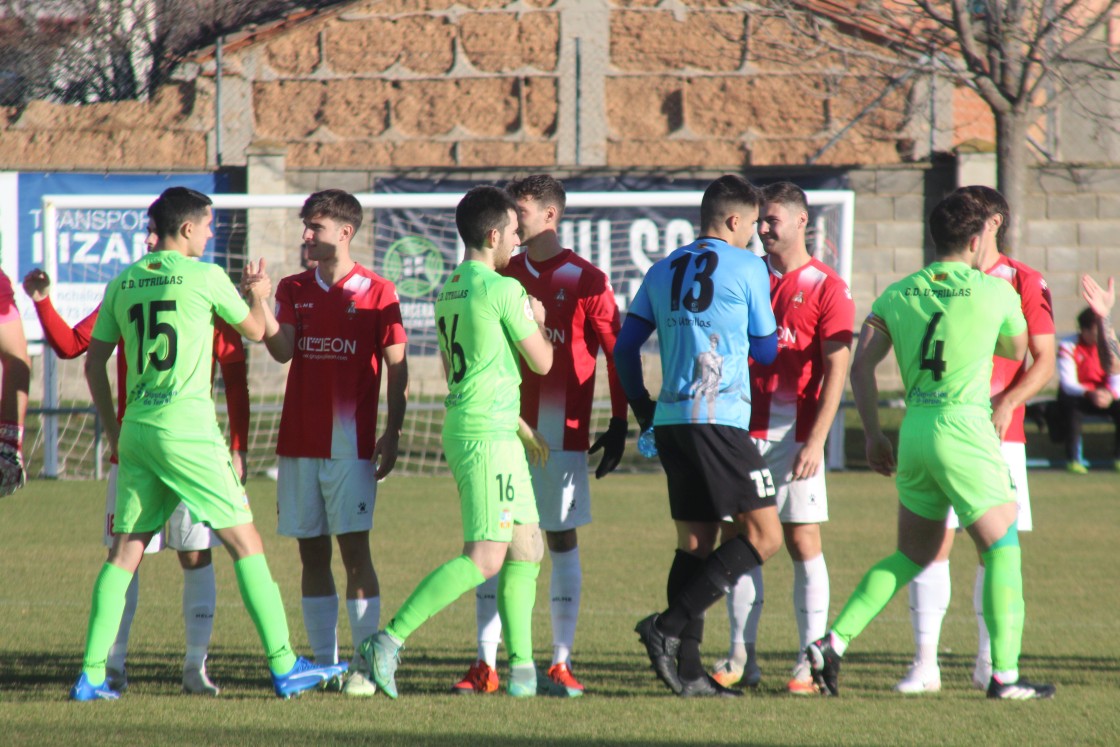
(527, 544)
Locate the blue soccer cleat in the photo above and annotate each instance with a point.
(83, 690)
(305, 676)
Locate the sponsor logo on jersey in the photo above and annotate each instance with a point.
(327, 345)
(305, 305)
(787, 335)
(556, 335)
(415, 266)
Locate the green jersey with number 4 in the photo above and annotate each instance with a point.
(479, 315)
(943, 322)
(163, 306)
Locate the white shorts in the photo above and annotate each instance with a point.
(321, 497)
(562, 491)
(1015, 454)
(799, 501)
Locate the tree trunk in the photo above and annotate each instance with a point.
(1011, 172)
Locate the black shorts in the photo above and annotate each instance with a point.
(714, 472)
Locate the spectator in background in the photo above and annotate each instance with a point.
(1085, 388)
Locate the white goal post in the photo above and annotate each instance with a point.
(412, 242)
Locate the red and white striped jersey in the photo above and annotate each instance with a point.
(581, 317)
(811, 305)
(1034, 297)
(330, 403)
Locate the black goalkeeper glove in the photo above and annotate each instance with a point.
(643, 411)
(613, 443)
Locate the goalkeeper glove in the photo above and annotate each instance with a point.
(613, 443)
(12, 476)
(644, 409)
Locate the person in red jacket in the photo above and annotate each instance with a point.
(16, 366)
(192, 541)
(1085, 387)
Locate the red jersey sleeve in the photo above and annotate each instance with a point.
(1037, 305)
(602, 314)
(66, 341)
(285, 311)
(9, 312)
(228, 347)
(230, 354)
(838, 313)
(389, 308)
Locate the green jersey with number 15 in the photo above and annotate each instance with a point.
(479, 316)
(163, 306)
(943, 322)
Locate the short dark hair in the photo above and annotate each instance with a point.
(955, 220)
(483, 209)
(1086, 319)
(996, 204)
(786, 193)
(174, 207)
(336, 204)
(724, 196)
(540, 187)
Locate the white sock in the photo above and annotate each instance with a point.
(200, 596)
(365, 616)
(810, 601)
(929, 600)
(566, 585)
(984, 647)
(120, 646)
(489, 624)
(744, 608)
(320, 617)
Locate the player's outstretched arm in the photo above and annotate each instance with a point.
(396, 373)
(874, 345)
(1101, 302)
(66, 341)
(100, 390)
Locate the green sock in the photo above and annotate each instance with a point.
(872, 594)
(517, 592)
(261, 596)
(104, 619)
(1004, 608)
(439, 588)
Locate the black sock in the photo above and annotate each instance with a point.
(685, 567)
(689, 664)
(720, 572)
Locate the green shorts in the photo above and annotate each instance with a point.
(495, 490)
(951, 457)
(159, 468)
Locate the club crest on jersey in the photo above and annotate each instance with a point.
(560, 295)
(351, 310)
(155, 265)
(799, 298)
(505, 519)
(940, 277)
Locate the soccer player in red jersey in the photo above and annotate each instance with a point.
(16, 366)
(581, 319)
(1013, 384)
(190, 540)
(339, 324)
(793, 403)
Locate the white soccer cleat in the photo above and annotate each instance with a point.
(920, 679)
(197, 682)
(359, 685)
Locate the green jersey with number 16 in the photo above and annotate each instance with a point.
(479, 315)
(163, 306)
(943, 322)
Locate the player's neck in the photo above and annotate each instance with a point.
(334, 269)
(788, 261)
(543, 247)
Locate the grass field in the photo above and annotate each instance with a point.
(51, 552)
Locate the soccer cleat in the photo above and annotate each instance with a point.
(1019, 690)
(527, 682)
(358, 685)
(116, 679)
(1076, 468)
(726, 674)
(382, 655)
(662, 651)
(824, 664)
(706, 687)
(920, 679)
(480, 679)
(801, 682)
(305, 676)
(196, 682)
(982, 673)
(562, 675)
(83, 690)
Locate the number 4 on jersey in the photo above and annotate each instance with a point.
(933, 360)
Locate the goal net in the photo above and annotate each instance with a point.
(410, 238)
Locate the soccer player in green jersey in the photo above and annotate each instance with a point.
(163, 306)
(944, 322)
(484, 321)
